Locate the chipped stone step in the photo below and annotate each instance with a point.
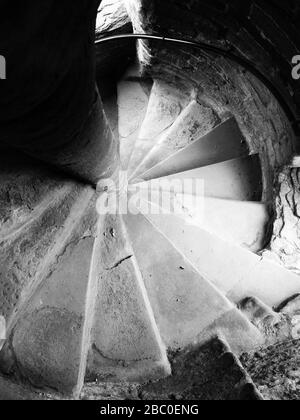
(261, 315)
(125, 342)
(240, 222)
(236, 179)
(235, 271)
(29, 256)
(187, 307)
(277, 326)
(165, 105)
(225, 142)
(132, 106)
(194, 122)
(45, 345)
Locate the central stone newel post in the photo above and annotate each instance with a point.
(49, 106)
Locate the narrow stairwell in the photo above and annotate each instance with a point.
(93, 299)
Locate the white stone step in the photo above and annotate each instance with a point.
(29, 254)
(47, 337)
(165, 105)
(132, 106)
(236, 179)
(240, 222)
(224, 143)
(194, 122)
(237, 272)
(186, 306)
(126, 343)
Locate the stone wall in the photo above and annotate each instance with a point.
(285, 242)
(264, 32)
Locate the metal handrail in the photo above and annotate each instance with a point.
(227, 53)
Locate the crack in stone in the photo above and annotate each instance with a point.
(119, 263)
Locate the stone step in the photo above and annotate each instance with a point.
(194, 122)
(29, 254)
(26, 190)
(240, 222)
(207, 372)
(132, 106)
(234, 270)
(225, 142)
(125, 341)
(45, 345)
(187, 307)
(295, 162)
(165, 105)
(236, 179)
(23, 215)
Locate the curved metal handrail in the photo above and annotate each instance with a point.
(227, 53)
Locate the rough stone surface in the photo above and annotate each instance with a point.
(277, 325)
(275, 370)
(132, 105)
(27, 254)
(210, 372)
(261, 315)
(223, 143)
(285, 241)
(236, 179)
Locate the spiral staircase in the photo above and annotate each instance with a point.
(93, 298)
